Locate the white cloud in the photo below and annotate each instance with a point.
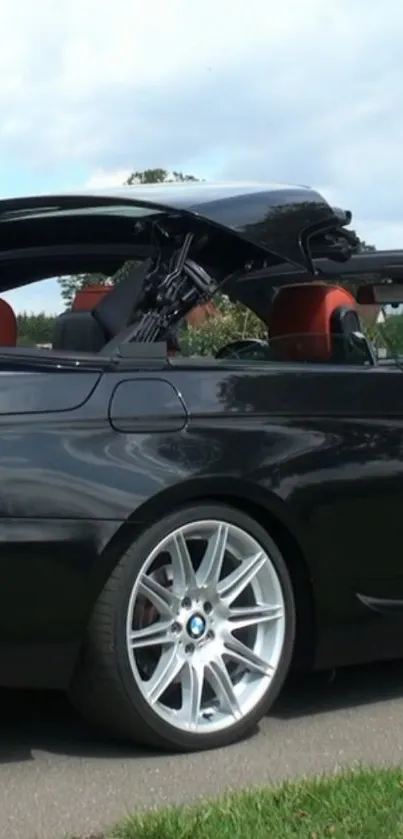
(306, 92)
(102, 179)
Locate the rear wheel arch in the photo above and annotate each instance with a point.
(265, 508)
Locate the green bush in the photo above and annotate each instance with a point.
(233, 323)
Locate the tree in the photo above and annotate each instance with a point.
(365, 248)
(35, 329)
(158, 176)
(70, 285)
(390, 333)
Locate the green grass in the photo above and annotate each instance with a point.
(366, 803)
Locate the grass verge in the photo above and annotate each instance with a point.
(366, 803)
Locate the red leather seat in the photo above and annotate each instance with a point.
(8, 325)
(89, 296)
(308, 322)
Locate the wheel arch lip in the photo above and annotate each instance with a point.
(268, 510)
(214, 487)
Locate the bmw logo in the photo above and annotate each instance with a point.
(196, 626)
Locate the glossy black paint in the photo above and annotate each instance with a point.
(368, 266)
(32, 393)
(159, 406)
(314, 452)
(275, 218)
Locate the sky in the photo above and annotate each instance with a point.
(300, 92)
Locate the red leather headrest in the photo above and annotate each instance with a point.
(300, 320)
(199, 314)
(89, 296)
(8, 325)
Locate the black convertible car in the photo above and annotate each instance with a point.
(178, 532)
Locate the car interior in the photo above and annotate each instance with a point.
(307, 322)
(310, 321)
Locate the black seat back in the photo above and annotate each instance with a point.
(113, 313)
(89, 331)
(79, 332)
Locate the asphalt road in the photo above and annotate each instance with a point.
(57, 780)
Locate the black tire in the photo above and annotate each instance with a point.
(104, 690)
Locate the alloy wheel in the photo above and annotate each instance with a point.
(205, 627)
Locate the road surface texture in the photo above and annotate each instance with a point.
(58, 780)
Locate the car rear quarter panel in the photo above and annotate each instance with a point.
(78, 484)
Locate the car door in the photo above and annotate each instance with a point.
(78, 455)
(37, 406)
(42, 414)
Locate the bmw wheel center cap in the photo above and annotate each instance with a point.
(196, 627)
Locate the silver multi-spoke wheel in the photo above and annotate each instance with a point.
(205, 626)
(192, 636)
